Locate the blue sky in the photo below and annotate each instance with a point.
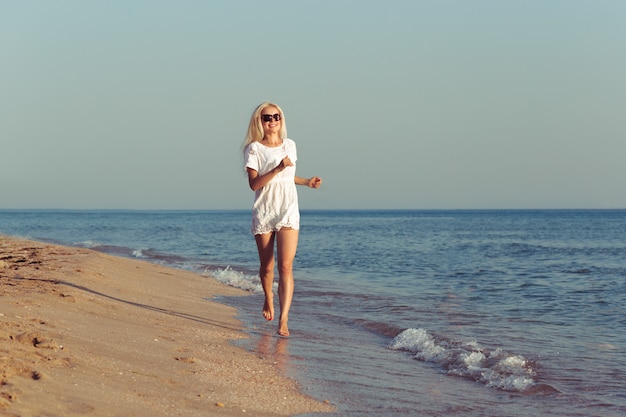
(396, 104)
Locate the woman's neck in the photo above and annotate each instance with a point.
(272, 140)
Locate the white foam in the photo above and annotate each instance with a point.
(418, 341)
(89, 244)
(496, 369)
(236, 279)
(473, 360)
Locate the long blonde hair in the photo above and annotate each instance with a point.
(255, 128)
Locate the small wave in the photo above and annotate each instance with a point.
(127, 252)
(235, 279)
(89, 244)
(108, 249)
(378, 327)
(159, 257)
(497, 368)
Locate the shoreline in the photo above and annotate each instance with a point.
(86, 332)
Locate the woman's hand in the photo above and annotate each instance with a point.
(314, 182)
(286, 162)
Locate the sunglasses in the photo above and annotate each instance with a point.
(269, 117)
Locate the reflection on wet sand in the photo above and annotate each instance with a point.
(276, 348)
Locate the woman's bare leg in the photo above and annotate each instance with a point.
(287, 243)
(265, 245)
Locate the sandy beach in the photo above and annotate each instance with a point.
(85, 333)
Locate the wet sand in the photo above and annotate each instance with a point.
(85, 333)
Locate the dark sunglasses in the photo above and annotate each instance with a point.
(269, 117)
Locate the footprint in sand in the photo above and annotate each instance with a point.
(186, 359)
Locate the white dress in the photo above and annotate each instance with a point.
(275, 204)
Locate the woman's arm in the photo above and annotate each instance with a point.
(257, 181)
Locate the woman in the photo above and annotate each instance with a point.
(269, 159)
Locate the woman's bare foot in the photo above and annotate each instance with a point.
(283, 330)
(268, 310)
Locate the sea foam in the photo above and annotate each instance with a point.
(235, 279)
(495, 368)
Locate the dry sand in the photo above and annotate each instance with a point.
(85, 333)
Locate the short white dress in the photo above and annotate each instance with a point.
(275, 204)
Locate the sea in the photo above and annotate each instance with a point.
(469, 313)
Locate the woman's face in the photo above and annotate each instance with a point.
(271, 119)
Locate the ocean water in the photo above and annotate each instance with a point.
(410, 313)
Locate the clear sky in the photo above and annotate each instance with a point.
(446, 104)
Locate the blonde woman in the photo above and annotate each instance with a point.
(269, 160)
